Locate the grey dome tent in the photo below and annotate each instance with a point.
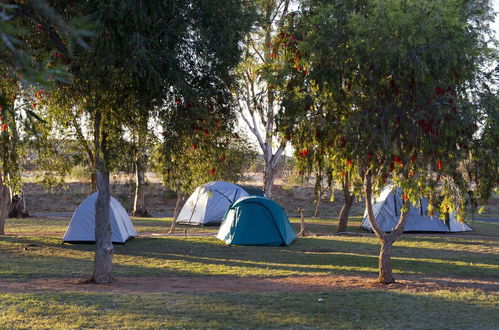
(82, 225)
(208, 203)
(387, 207)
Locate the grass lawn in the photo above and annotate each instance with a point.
(33, 251)
(373, 309)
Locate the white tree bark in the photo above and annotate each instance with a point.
(258, 104)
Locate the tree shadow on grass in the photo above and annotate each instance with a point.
(337, 309)
(205, 255)
(452, 239)
(313, 255)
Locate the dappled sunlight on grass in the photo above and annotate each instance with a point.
(37, 253)
(28, 256)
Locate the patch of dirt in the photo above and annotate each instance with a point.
(248, 284)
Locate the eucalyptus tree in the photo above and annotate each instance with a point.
(9, 174)
(24, 64)
(315, 101)
(413, 72)
(202, 149)
(142, 51)
(259, 99)
(141, 143)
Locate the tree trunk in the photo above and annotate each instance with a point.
(318, 193)
(139, 204)
(103, 263)
(93, 182)
(4, 189)
(18, 207)
(385, 275)
(317, 207)
(302, 223)
(344, 213)
(4, 205)
(176, 211)
(268, 179)
(345, 209)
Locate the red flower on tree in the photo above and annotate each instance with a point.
(439, 165)
(440, 91)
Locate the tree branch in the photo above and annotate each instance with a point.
(278, 153)
(372, 220)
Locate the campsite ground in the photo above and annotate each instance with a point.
(193, 280)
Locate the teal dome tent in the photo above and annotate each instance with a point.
(256, 220)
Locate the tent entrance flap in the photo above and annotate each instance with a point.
(194, 208)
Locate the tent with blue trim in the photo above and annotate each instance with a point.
(387, 207)
(208, 203)
(256, 220)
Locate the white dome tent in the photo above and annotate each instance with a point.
(208, 203)
(81, 228)
(386, 209)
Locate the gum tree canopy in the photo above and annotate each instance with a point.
(142, 52)
(25, 66)
(414, 74)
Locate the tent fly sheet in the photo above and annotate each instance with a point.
(82, 225)
(209, 202)
(387, 208)
(255, 220)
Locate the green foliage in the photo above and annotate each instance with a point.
(400, 84)
(203, 156)
(25, 65)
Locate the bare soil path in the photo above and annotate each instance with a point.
(249, 284)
